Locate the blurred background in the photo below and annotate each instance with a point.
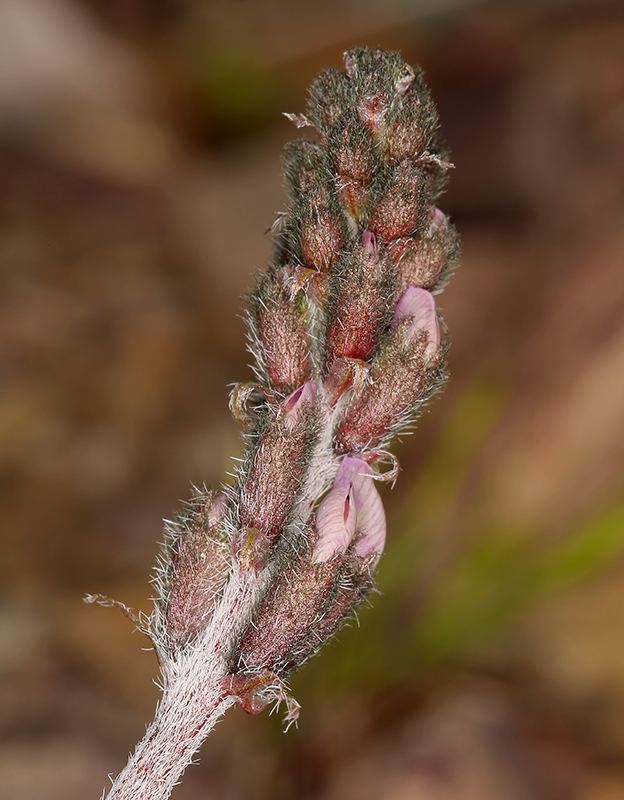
(139, 170)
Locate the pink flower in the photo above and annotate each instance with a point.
(351, 511)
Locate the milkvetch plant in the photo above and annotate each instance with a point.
(347, 346)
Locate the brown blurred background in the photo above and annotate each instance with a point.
(139, 170)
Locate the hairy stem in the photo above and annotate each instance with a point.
(191, 705)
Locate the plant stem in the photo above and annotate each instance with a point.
(191, 705)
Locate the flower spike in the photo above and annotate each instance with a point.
(347, 347)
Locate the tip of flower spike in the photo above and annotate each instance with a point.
(419, 305)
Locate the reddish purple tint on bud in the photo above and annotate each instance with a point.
(419, 306)
(279, 326)
(316, 229)
(410, 128)
(278, 465)
(282, 634)
(198, 568)
(397, 211)
(427, 261)
(352, 510)
(401, 377)
(359, 307)
(321, 234)
(372, 111)
(302, 609)
(352, 157)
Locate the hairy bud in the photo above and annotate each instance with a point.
(428, 260)
(359, 305)
(304, 607)
(195, 565)
(279, 329)
(316, 232)
(403, 375)
(277, 464)
(399, 209)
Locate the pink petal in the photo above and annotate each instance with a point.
(335, 522)
(369, 243)
(438, 218)
(370, 523)
(419, 304)
(296, 402)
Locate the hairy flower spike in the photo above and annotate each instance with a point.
(346, 339)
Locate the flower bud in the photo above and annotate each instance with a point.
(412, 123)
(427, 261)
(353, 159)
(404, 373)
(277, 466)
(320, 231)
(316, 229)
(398, 210)
(330, 100)
(196, 568)
(278, 326)
(303, 608)
(358, 306)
